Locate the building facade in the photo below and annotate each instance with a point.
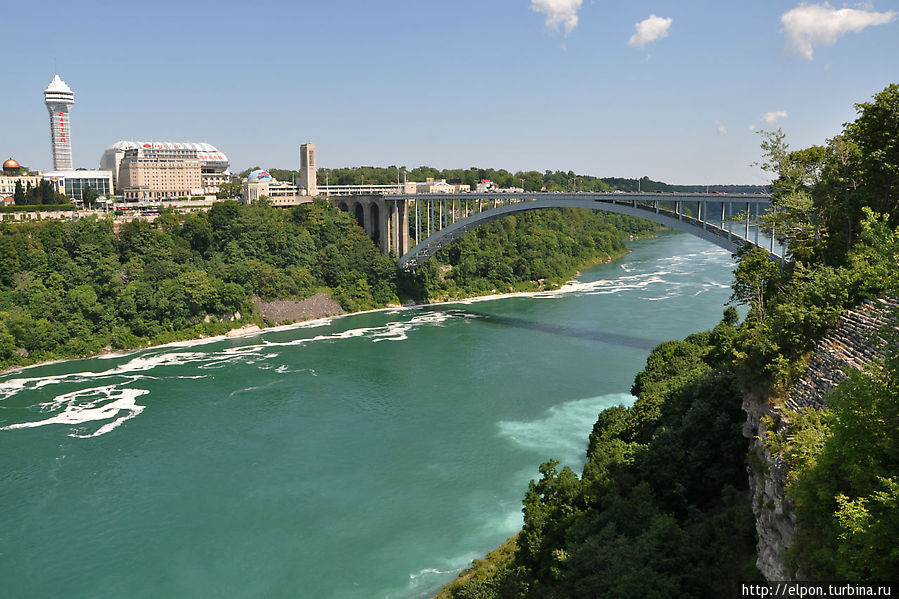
(441, 186)
(158, 178)
(260, 184)
(8, 185)
(213, 162)
(73, 184)
(59, 98)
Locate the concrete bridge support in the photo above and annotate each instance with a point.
(385, 220)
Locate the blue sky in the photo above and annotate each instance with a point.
(515, 84)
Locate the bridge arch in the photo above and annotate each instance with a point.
(712, 233)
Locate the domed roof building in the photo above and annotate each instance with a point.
(12, 176)
(212, 159)
(260, 175)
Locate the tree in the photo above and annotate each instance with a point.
(89, 195)
(754, 279)
(820, 192)
(533, 181)
(795, 214)
(875, 133)
(231, 189)
(19, 194)
(48, 195)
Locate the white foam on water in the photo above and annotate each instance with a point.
(669, 295)
(285, 369)
(253, 388)
(600, 287)
(618, 285)
(141, 364)
(398, 331)
(89, 405)
(205, 360)
(427, 571)
(256, 353)
(431, 579)
(306, 324)
(562, 432)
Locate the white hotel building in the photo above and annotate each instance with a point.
(186, 168)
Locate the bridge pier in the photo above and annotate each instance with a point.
(384, 220)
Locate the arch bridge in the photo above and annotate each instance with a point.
(433, 220)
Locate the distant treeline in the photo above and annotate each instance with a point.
(529, 180)
(648, 185)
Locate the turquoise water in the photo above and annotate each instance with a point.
(368, 456)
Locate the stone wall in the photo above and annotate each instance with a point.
(852, 344)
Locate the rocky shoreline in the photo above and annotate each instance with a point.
(283, 311)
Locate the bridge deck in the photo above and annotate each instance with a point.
(758, 198)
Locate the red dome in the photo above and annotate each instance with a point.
(10, 165)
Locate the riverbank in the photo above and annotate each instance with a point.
(318, 312)
(482, 570)
(284, 314)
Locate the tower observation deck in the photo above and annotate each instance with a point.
(58, 98)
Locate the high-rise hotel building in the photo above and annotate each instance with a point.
(58, 98)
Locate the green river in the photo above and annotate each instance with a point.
(368, 456)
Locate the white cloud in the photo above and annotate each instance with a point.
(752, 127)
(722, 130)
(558, 12)
(808, 25)
(773, 116)
(649, 30)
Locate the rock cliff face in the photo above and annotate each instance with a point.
(853, 344)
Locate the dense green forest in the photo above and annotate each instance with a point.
(78, 287)
(529, 251)
(74, 288)
(661, 508)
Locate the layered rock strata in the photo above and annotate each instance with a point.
(854, 343)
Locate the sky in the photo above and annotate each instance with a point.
(673, 90)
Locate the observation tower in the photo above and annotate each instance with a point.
(58, 98)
